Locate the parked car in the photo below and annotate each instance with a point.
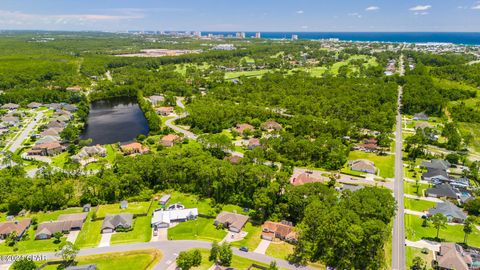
(244, 249)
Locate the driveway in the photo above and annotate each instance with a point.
(161, 236)
(262, 247)
(72, 236)
(105, 241)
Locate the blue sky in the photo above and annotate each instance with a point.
(242, 15)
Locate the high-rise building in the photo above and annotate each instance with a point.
(240, 35)
(294, 37)
(197, 34)
(258, 35)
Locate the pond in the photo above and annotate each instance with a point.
(114, 120)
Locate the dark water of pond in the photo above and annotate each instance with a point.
(115, 120)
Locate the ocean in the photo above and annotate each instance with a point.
(465, 38)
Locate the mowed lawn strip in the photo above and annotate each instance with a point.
(31, 245)
(90, 235)
(386, 164)
(237, 262)
(142, 232)
(133, 207)
(279, 250)
(138, 259)
(411, 188)
(412, 252)
(252, 239)
(199, 229)
(452, 233)
(418, 205)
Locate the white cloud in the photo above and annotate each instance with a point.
(355, 14)
(372, 8)
(304, 27)
(477, 6)
(421, 13)
(300, 12)
(421, 8)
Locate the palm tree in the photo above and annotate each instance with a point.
(439, 221)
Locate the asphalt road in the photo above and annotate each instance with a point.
(398, 237)
(25, 133)
(170, 250)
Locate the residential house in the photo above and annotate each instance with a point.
(350, 187)
(87, 207)
(134, 148)
(56, 124)
(438, 164)
(271, 125)
(164, 111)
(64, 223)
(442, 191)
(420, 116)
(76, 88)
(450, 210)
(10, 106)
(233, 159)
(156, 100)
(10, 120)
(362, 165)
(422, 125)
(169, 140)
(70, 107)
(282, 230)
(88, 152)
(241, 128)
(51, 132)
(113, 222)
(34, 105)
(17, 226)
(452, 257)
(46, 149)
(433, 175)
(304, 178)
(47, 139)
(163, 218)
(232, 221)
(253, 143)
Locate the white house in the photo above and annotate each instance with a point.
(163, 218)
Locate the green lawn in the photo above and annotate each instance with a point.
(31, 245)
(237, 262)
(142, 232)
(138, 259)
(386, 164)
(279, 250)
(60, 160)
(53, 215)
(411, 188)
(133, 207)
(204, 205)
(418, 205)
(411, 252)
(453, 233)
(473, 128)
(253, 73)
(90, 235)
(252, 239)
(199, 229)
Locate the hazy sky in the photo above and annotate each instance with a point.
(242, 15)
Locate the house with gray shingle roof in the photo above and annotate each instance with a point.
(450, 210)
(113, 222)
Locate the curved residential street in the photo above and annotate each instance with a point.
(170, 250)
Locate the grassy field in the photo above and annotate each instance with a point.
(411, 252)
(60, 160)
(48, 216)
(90, 235)
(279, 250)
(383, 163)
(252, 73)
(199, 229)
(142, 232)
(473, 128)
(237, 262)
(411, 188)
(252, 239)
(133, 207)
(453, 233)
(418, 205)
(138, 259)
(204, 206)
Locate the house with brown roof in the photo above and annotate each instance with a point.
(169, 140)
(304, 178)
(134, 148)
(164, 111)
(281, 230)
(253, 143)
(76, 88)
(362, 165)
(51, 132)
(34, 105)
(241, 128)
(453, 257)
(155, 100)
(56, 124)
(10, 106)
(233, 159)
(271, 125)
(17, 226)
(232, 221)
(65, 223)
(46, 149)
